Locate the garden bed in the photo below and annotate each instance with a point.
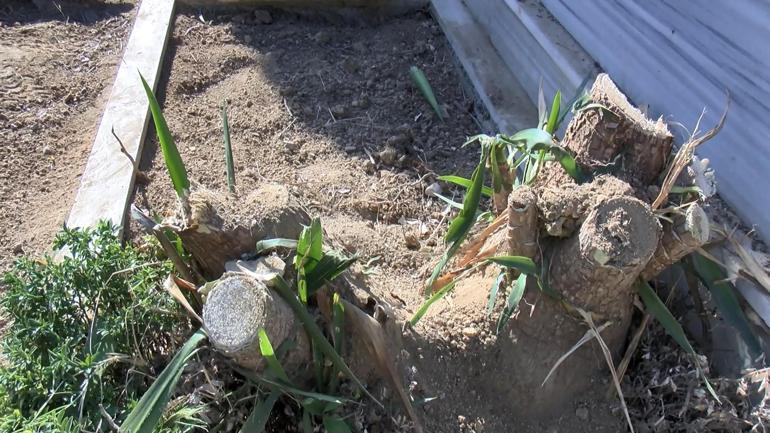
(325, 107)
(56, 69)
(328, 109)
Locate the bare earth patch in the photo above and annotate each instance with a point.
(56, 70)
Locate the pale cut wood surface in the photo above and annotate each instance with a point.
(107, 182)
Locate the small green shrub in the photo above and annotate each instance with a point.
(86, 331)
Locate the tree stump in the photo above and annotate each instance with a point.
(594, 240)
(221, 227)
(237, 308)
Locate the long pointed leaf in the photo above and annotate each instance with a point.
(517, 291)
(335, 425)
(522, 264)
(331, 265)
(269, 244)
(723, 295)
(461, 181)
(426, 305)
(568, 162)
(300, 310)
(493, 292)
(229, 165)
(660, 312)
(464, 220)
(553, 119)
(530, 138)
(256, 422)
(421, 81)
(266, 349)
(288, 389)
(149, 410)
(171, 157)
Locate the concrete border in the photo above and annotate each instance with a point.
(108, 180)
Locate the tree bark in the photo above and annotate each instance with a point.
(596, 239)
(222, 227)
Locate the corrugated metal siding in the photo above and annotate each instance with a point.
(682, 56)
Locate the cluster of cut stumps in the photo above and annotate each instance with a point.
(593, 242)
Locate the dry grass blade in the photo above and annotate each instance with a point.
(173, 289)
(588, 336)
(683, 157)
(608, 357)
(752, 266)
(378, 348)
(470, 251)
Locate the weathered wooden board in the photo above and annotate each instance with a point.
(107, 183)
(387, 5)
(497, 87)
(681, 57)
(534, 46)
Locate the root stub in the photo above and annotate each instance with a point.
(596, 268)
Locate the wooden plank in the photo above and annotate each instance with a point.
(397, 6)
(107, 182)
(497, 87)
(680, 57)
(534, 46)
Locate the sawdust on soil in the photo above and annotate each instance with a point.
(56, 69)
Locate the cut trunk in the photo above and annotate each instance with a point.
(222, 227)
(592, 240)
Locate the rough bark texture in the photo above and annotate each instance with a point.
(222, 227)
(597, 136)
(615, 138)
(596, 239)
(522, 222)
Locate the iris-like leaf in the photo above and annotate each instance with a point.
(335, 425)
(723, 295)
(421, 81)
(331, 265)
(269, 244)
(171, 157)
(266, 349)
(426, 305)
(512, 303)
(309, 246)
(463, 222)
(568, 162)
(660, 312)
(493, 292)
(522, 264)
(530, 138)
(229, 165)
(553, 119)
(256, 422)
(315, 334)
(149, 410)
(461, 181)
